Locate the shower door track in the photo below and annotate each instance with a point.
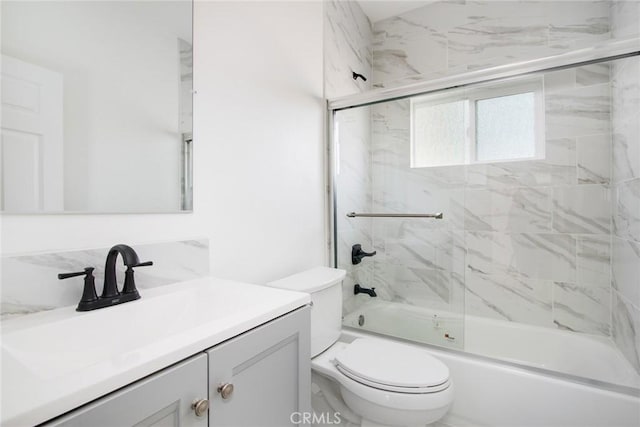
(607, 51)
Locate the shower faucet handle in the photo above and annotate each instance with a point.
(357, 254)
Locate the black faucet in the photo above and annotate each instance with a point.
(357, 254)
(130, 259)
(357, 289)
(110, 294)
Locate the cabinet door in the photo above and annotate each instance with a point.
(162, 400)
(270, 370)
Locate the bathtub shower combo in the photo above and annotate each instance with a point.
(476, 215)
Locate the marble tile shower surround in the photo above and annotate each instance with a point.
(348, 43)
(501, 216)
(625, 187)
(30, 283)
(348, 40)
(450, 37)
(525, 241)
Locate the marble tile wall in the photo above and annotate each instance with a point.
(348, 40)
(448, 37)
(347, 48)
(625, 187)
(624, 16)
(30, 283)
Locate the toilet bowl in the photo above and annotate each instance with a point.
(388, 383)
(385, 383)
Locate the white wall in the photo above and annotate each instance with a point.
(259, 114)
(258, 171)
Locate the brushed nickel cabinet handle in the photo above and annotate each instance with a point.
(200, 406)
(225, 390)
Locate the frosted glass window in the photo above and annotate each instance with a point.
(495, 122)
(439, 134)
(505, 127)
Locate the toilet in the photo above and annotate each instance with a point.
(384, 382)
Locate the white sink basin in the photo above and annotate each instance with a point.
(79, 340)
(55, 361)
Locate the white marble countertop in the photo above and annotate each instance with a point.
(55, 361)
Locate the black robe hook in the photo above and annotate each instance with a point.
(356, 75)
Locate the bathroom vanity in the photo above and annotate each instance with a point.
(197, 353)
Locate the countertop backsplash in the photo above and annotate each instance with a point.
(30, 282)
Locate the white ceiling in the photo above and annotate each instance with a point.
(378, 10)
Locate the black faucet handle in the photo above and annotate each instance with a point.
(89, 295)
(88, 271)
(129, 283)
(357, 254)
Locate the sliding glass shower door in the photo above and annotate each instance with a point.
(418, 267)
(533, 257)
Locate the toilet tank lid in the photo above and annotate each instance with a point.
(315, 279)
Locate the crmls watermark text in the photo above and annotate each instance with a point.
(309, 418)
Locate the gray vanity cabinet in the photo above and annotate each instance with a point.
(257, 379)
(262, 377)
(163, 400)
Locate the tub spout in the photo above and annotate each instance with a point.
(357, 289)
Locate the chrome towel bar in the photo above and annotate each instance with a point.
(394, 215)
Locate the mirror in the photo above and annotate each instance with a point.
(96, 106)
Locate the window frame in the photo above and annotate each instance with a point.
(471, 96)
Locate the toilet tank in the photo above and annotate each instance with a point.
(325, 286)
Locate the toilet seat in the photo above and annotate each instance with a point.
(372, 401)
(392, 367)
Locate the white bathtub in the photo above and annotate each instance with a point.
(494, 393)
